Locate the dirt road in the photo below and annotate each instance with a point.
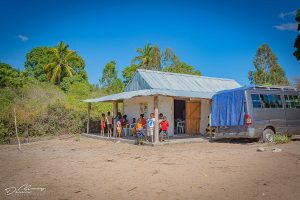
(94, 169)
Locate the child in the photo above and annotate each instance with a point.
(102, 124)
(142, 120)
(109, 124)
(164, 128)
(119, 128)
(139, 134)
(150, 126)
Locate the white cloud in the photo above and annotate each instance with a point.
(287, 14)
(287, 27)
(23, 38)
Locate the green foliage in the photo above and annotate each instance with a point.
(35, 62)
(53, 64)
(267, 70)
(281, 139)
(67, 82)
(182, 68)
(9, 76)
(3, 133)
(150, 57)
(110, 81)
(65, 63)
(297, 42)
(129, 72)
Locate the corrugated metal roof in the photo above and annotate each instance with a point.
(148, 79)
(152, 92)
(149, 83)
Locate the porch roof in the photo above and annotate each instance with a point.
(152, 92)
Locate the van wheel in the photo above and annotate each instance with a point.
(268, 135)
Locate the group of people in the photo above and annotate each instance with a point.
(143, 128)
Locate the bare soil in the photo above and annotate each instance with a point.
(95, 169)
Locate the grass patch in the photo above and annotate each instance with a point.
(281, 139)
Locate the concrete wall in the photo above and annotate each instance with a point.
(165, 106)
(205, 111)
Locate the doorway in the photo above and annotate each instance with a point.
(179, 115)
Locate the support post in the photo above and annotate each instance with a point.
(156, 129)
(115, 108)
(88, 120)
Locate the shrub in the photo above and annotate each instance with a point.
(281, 139)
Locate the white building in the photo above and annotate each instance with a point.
(178, 96)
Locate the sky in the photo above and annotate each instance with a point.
(219, 38)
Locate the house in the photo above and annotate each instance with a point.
(177, 96)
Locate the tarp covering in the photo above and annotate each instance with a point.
(228, 107)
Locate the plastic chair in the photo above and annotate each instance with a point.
(180, 127)
(126, 129)
(129, 128)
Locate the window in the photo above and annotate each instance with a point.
(291, 101)
(267, 101)
(278, 101)
(256, 101)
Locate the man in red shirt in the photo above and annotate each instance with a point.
(164, 128)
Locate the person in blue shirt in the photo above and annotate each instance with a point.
(150, 127)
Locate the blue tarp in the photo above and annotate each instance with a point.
(228, 107)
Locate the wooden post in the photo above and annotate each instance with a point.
(156, 129)
(16, 128)
(88, 120)
(115, 108)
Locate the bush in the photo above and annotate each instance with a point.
(281, 139)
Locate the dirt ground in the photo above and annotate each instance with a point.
(95, 169)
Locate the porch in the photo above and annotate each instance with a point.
(176, 139)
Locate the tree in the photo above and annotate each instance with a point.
(129, 72)
(35, 62)
(10, 77)
(64, 63)
(297, 42)
(53, 64)
(110, 81)
(267, 70)
(149, 58)
(182, 68)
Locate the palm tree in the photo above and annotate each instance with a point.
(149, 57)
(61, 64)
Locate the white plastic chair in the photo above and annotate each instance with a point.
(180, 127)
(126, 129)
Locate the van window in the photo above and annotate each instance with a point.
(291, 101)
(278, 101)
(256, 101)
(271, 101)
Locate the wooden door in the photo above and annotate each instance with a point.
(193, 117)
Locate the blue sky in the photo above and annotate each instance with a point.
(219, 38)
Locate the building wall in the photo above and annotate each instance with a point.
(166, 106)
(205, 112)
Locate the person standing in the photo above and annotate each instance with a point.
(150, 126)
(102, 124)
(164, 128)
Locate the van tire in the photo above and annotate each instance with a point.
(268, 135)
